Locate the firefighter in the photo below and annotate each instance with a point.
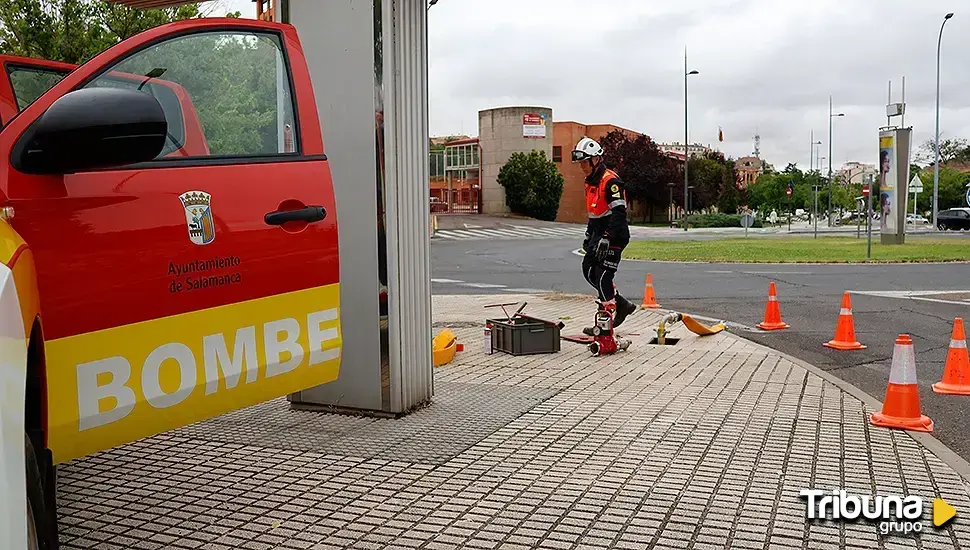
(607, 232)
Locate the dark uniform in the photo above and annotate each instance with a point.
(606, 208)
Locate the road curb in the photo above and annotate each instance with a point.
(934, 445)
(579, 252)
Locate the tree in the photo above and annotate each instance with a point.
(533, 185)
(711, 176)
(74, 31)
(950, 149)
(952, 191)
(645, 170)
(729, 197)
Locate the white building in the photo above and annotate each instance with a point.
(694, 149)
(855, 172)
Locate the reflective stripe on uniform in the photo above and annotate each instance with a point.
(616, 203)
(603, 215)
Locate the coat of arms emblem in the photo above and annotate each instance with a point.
(198, 216)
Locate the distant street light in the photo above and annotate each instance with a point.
(686, 146)
(811, 154)
(936, 153)
(671, 186)
(831, 116)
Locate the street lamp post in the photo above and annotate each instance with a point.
(831, 116)
(811, 154)
(671, 208)
(690, 200)
(936, 153)
(686, 148)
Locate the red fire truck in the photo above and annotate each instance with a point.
(168, 237)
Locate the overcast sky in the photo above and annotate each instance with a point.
(765, 65)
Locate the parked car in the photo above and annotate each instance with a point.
(437, 205)
(853, 217)
(954, 218)
(916, 219)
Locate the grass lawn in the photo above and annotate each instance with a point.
(799, 249)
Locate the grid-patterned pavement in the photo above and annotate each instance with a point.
(701, 445)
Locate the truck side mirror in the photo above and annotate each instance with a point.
(93, 128)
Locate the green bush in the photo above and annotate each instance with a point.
(718, 220)
(533, 185)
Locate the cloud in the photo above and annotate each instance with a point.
(765, 66)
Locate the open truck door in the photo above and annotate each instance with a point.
(23, 80)
(174, 288)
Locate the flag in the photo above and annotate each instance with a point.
(720, 134)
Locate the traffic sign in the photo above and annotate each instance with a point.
(865, 190)
(788, 192)
(968, 197)
(916, 184)
(747, 220)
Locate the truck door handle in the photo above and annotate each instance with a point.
(308, 214)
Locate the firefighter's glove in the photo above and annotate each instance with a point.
(602, 249)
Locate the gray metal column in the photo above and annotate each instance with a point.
(405, 42)
(368, 63)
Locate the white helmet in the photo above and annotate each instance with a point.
(586, 149)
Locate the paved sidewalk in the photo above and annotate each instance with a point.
(705, 444)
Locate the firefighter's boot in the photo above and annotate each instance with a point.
(624, 308)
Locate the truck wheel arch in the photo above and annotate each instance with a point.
(35, 426)
(35, 415)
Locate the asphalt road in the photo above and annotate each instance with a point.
(809, 295)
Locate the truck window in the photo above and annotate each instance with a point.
(29, 83)
(236, 82)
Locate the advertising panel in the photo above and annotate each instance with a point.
(533, 126)
(893, 184)
(887, 183)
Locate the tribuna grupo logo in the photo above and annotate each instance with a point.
(894, 514)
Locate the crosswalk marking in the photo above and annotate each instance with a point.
(553, 230)
(512, 232)
(540, 231)
(489, 286)
(481, 233)
(490, 233)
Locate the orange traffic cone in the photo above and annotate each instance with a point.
(649, 298)
(901, 407)
(772, 312)
(845, 329)
(956, 371)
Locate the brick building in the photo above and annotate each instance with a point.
(265, 10)
(748, 169)
(572, 205)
